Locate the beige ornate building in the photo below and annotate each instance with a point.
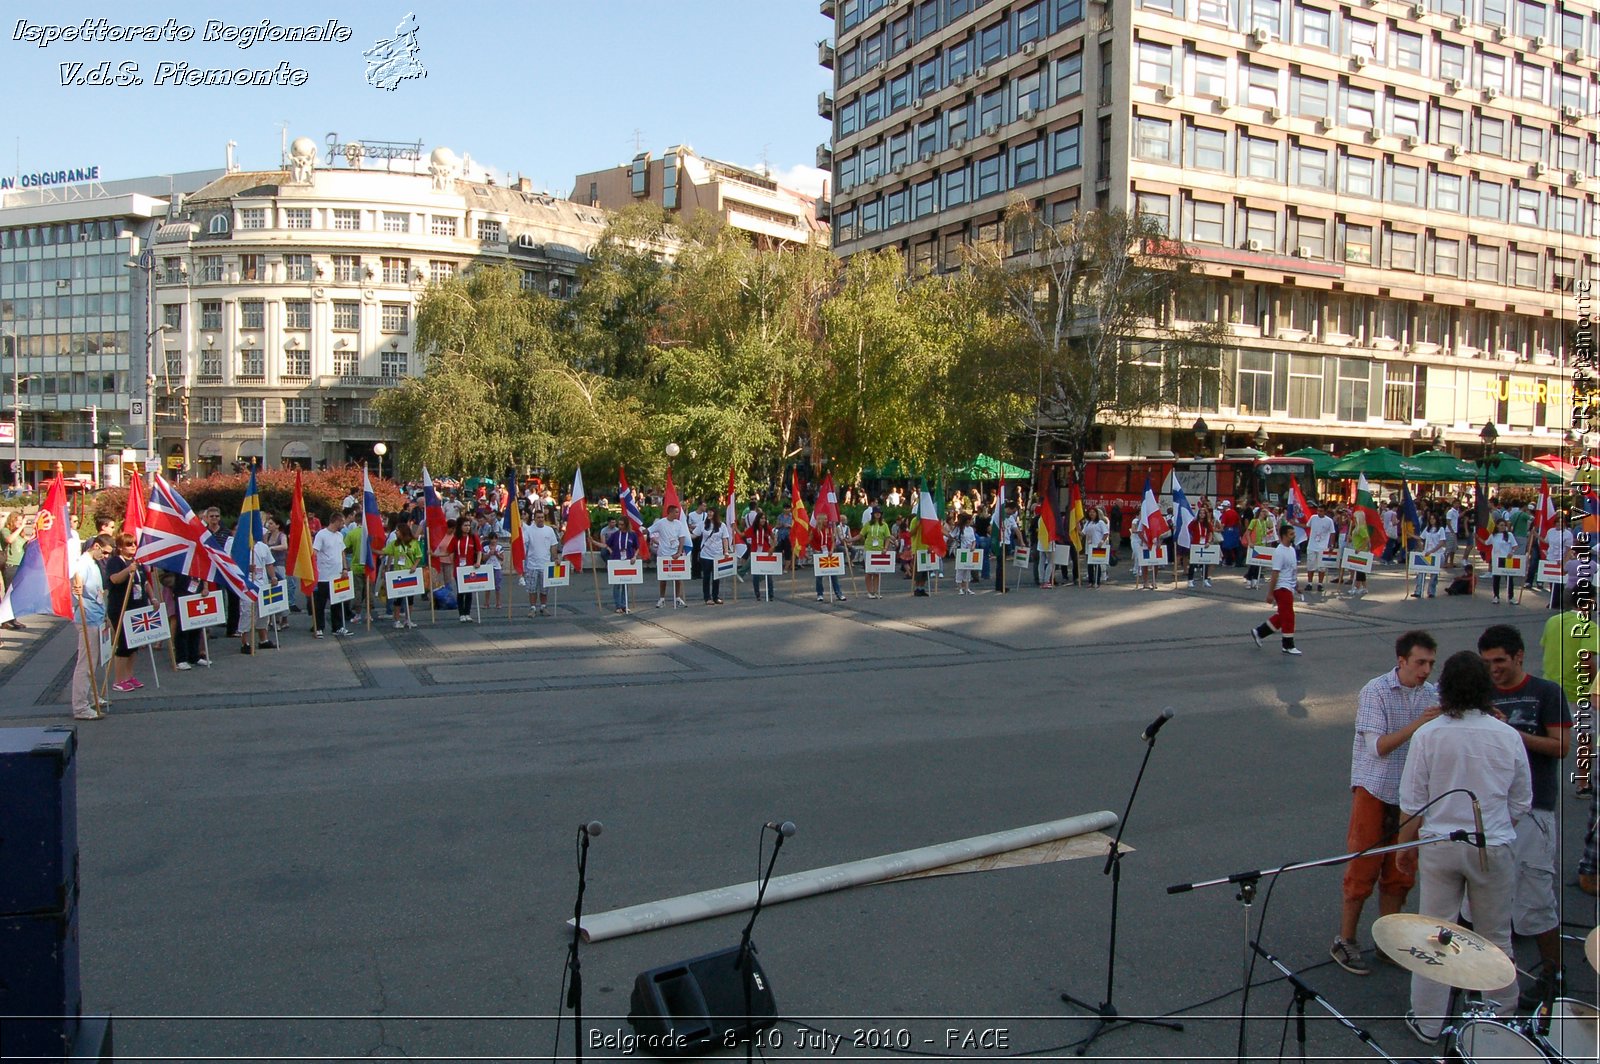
(291, 296)
(1397, 204)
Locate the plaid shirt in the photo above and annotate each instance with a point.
(1385, 706)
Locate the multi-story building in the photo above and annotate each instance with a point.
(291, 297)
(688, 184)
(75, 317)
(1393, 202)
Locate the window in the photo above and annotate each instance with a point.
(1029, 92)
(394, 364)
(297, 267)
(1155, 63)
(1069, 76)
(1485, 262)
(396, 271)
(1405, 185)
(1308, 96)
(252, 411)
(252, 364)
(1358, 244)
(1025, 162)
(396, 222)
(1266, 15)
(1446, 257)
(1157, 209)
(252, 314)
(1314, 26)
(1450, 126)
(297, 411)
(250, 268)
(1310, 237)
(1360, 108)
(1357, 176)
(297, 313)
(396, 317)
(1525, 265)
(1261, 86)
(1206, 222)
(1213, 11)
(924, 198)
(1530, 81)
(1447, 193)
(172, 270)
(218, 224)
(489, 231)
(1452, 61)
(1532, 19)
(211, 314)
(1301, 310)
(1255, 382)
(1305, 386)
(297, 363)
(1065, 151)
(347, 268)
(210, 267)
(1493, 73)
(1407, 48)
(1530, 143)
(1361, 38)
(1430, 324)
(1210, 75)
(345, 218)
(210, 411)
(1262, 228)
(1259, 157)
(172, 316)
(442, 225)
(252, 218)
(1355, 381)
(173, 364)
(440, 271)
(1309, 168)
(296, 217)
(1528, 207)
(1152, 139)
(346, 315)
(989, 177)
(210, 364)
(346, 363)
(1405, 118)
(955, 187)
(1489, 200)
(1208, 148)
(991, 42)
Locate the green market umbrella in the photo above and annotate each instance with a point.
(1377, 463)
(1444, 466)
(1509, 469)
(985, 468)
(1321, 461)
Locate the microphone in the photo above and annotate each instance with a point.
(592, 828)
(785, 828)
(1149, 734)
(1481, 842)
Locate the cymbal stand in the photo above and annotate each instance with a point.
(1304, 993)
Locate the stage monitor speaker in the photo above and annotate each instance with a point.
(40, 996)
(38, 820)
(697, 1005)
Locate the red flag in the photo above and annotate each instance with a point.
(800, 532)
(827, 507)
(577, 529)
(1544, 518)
(1368, 506)
(731, 518)
(434, 521)
(133, 516)
(50, 532)
(670, 498)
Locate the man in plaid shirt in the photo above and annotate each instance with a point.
(1391, 708)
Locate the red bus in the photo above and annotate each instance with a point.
(1243, 476)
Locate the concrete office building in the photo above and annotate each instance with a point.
(1395, 203)
(291, 295)
(77, 315)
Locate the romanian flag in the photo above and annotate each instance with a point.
(577, 528)
(631, 514)
(800, 533)
(249, 531)
(519, 549)
(299, 561)
(1075, 517)
(1365, 504)
(1410, 520)
(930, 532)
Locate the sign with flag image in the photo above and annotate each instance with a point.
(274, 599)
(827, 564)
(1423, 564)
(556, 574)
(1260, 556)
(927, 563)
(623, 571)
(470, 578)
(202, 611)
(766, 563)
(342, 589)
(1211, 554)
(1330, 559)
(1552, 572)
(403, 583)
(670, 569)
(1155, 556)
(877, 562)
(969, 560)
(144, 626)
(1100, 556)
(107, 644)
(1507, 565)
(1357, 561)
(726, 569)
(1021, 556)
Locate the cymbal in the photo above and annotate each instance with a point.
(1443, 952)
(1591, 948)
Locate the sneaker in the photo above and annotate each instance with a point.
(122, 685)
(1292, 651)
(204, 663)
(411, 624)
(463, 619)
(1497, 600)
(680, 602)
(1416, 1030)
(1191, 583)
(1256, 636)
(1347, 955)
(839, 599)
(399, 625)
(184, 666)
(819, 598)
(316, 635)
(244, 648)
(1206, 582)
(660, 602)
(533, 611)
(134, 680)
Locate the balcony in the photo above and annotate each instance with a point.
(824, 157)
(824, 105)
(826, 7)
(346, 380)
(825, 55)
(250, 378)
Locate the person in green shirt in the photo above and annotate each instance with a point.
(354, 531)
(1258, 533)
(1361, 542)
(13, 538)
(1521, 526)
(403, 552)
(875, 537)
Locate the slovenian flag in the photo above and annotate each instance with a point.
(410, 580)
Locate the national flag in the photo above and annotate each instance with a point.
(1410, 520)
(669, 498)
(438, 528)
(519, 549)
(730, 520)
(1298, 511)
(375, 538)
(997, 528)
(249, 530)
(133, 514)
(577, 528)
(1075, 517)
(1544, 514)
(299, 560)
(1151, 519)
(50, 531)
(930, 532)
(1366, 505)
(826, 507)
(201, 611)
(275, 598)
(29, 591)
(144, 625)
(631, 514)
(1048, 505)
(174, 539)
(1181, 512)
(800, 532)
(406, 580)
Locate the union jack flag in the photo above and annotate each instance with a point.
(173, 538)
(148, 620)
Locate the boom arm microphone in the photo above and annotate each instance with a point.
(592, 828)
(1481, 841)
(785, 828)
(1149, 734)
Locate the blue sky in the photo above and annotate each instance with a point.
(545, 90)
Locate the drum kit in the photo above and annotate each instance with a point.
(1565, 1031)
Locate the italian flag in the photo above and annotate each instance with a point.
(1365, 505)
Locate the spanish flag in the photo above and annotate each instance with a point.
(300, 565)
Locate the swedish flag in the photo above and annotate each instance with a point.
(250, 530)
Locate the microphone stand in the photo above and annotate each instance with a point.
(575, 987)
(1106, 1011)
(743, 962)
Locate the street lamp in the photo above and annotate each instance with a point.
(1260, 438)
(380, 449)
(1481, 510)
(1202, 433)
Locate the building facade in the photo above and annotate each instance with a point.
(289, 297)
(74, 319)
(1396, 205)
(686, 184)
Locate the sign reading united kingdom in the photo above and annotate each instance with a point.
(144, 626)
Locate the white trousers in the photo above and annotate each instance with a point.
(1447, 874)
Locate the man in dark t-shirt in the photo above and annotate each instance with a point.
(1538, 710)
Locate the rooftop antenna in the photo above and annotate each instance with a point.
(766, 164)
(283, 144)
(638, 140)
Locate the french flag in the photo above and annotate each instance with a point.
(1151, 519)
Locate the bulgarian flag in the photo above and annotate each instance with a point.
(1366, 505)
(800, 533)
(577, 529)
(299, 561)
(930, 532)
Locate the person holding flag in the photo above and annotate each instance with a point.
(539, 542)
(669, 538)
(1377, 535)
(1201, 531)
(621, 545)
(1044, 536)
(927, 535)
(88, 593)
(1433, 539)
(1075, 522)
(404, 552)
(1151, 528)
(632, 518)
(1319, 536)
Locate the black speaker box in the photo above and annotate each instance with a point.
(38, 819)
(697, 1005)
(40, 996)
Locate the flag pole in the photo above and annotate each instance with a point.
(94, 666)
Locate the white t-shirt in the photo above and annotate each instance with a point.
(716, 545)
(328, 547)
(452, 511)
(667, 537)
(540, 543)
(1557, 542)
(696, 523)
(1452, 521)
(1095, 533)
(261, 562)
(1433, 539)
(1319, 531)
(1283, 564)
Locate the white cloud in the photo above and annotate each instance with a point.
(802, 178)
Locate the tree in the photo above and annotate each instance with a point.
(1092, 296)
